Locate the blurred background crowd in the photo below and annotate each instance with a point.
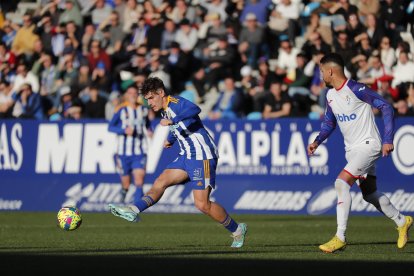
(73, 59)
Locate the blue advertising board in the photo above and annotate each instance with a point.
(263, 167)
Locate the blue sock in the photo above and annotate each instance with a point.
(138, 194)
(144, 203)
(230, 224)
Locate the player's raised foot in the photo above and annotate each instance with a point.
(124, 212)
(238, 239)
(403, 232)
(333, 245)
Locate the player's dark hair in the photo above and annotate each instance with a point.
(152, 85)
(334, 58)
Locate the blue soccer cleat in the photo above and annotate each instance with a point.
(124, 212)
(238, 240)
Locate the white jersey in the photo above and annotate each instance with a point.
(350, 107)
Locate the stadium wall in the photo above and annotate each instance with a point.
(263, 167)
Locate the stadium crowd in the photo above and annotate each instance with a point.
(72, 59)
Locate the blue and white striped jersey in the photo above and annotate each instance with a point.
(194, 140)
(350, 107)
(136, 118)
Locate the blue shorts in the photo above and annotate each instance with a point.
(201, 173)
(126, 164)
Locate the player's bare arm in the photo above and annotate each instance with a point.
(312, 147)
(387, 149)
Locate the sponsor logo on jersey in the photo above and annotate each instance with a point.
(345, 117)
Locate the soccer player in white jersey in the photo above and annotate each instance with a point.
(195, 164)
(349, 105)
(132, 126)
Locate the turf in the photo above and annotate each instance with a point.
(161, 241)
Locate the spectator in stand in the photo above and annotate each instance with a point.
(7, 56)
(182, 10)
(155, 30)
(410, 96)
(168, 34)
(45, 31)
(95, 106)
(386, 91)
(344, 8)
(229, 104)
(354, 27)
(219, 57)
(24, 76)
(315, 43)
(403, 70)
(116, 35)
(99, 63)
(278, 104)
(315, 26)
(387, 53)
(114, 100)
(286, 62)
(46, 71)
(374, 30)
(343, 46)
(31, 102)
(25, 38)
(377, 70)
(6, 100)
(100, 12)
(71, 13)
(9, 33)
(73, 33)
(366, 7)
(259, 8)
(132, 14)
(391, 15)
(186, 36)
(178, 65)
(251, 41)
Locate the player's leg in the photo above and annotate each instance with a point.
(384, 205)
(124, 169)
(343, 184)
(168, 177)
(218, 213)
(139, 175)
(125, 183)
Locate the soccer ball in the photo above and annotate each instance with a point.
(69, 218)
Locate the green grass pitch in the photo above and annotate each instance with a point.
(31, 240)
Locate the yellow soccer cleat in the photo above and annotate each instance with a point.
(403, 232)
(333, 245)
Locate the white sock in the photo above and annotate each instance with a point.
(384, 205)
(134, 208)
(238, 231)
(343, 207)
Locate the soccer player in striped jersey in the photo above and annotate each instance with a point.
(349, 105)
(132, 126)
(195, 165)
